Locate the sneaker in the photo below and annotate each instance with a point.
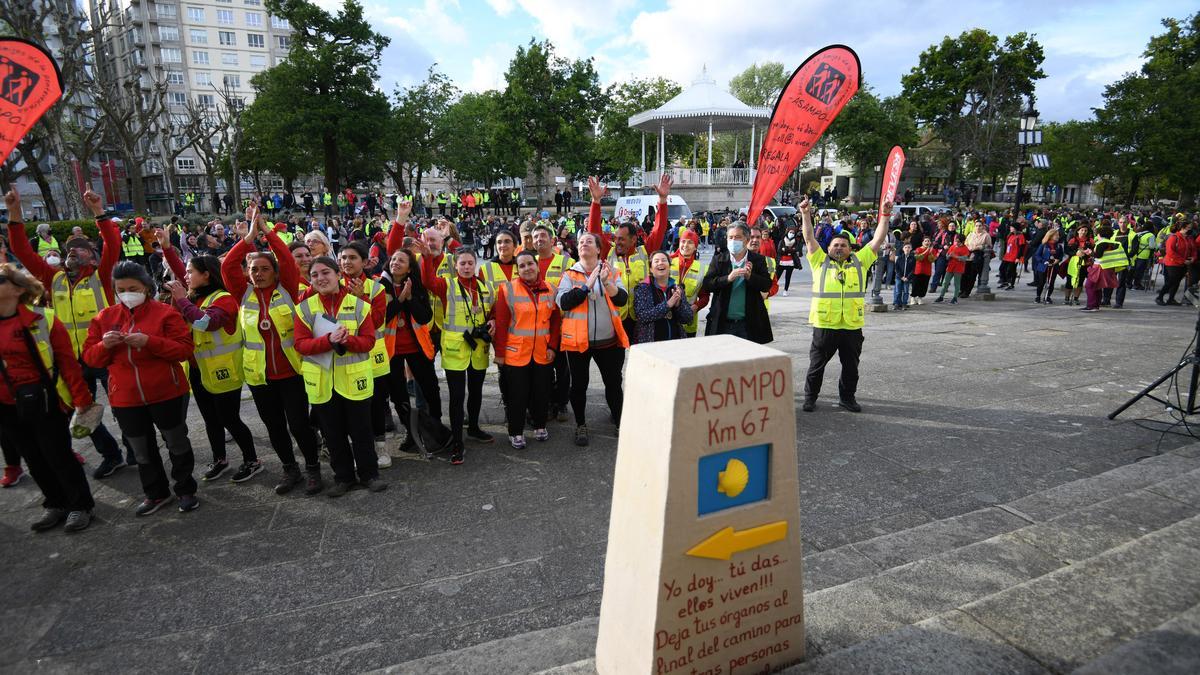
(291, 478)
(84, 461)
(215, 470)
(479, 435)
(149, 506)
(953, 301)
(850, 404)
(785, 294)
(1090, 309)
(1038, 300)
(375, 484)
(457, 455)
(107, 467)
(518, 442)
(409, 446)
(581, 435)
(940, 300)
(810, 404)
(312, 481)
(247, 471)
(541, 435)
(188, 503)
(12, 476)
(382, 456)
(339, 488)
(1049, 301)
(49, 520)
(78, 521)
(1174, 303)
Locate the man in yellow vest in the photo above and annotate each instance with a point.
(46, 242)
(1141, 249)
(837, 315)
(132, 247)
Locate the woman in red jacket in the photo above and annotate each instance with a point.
(213, 315)
(33, 343)
(142, 342)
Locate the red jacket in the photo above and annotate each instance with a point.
(37, 266)
(1014, 247)
(20, 364)
(152, 374)
(956, 266)
(653, 241)
(1179, 250)
(307, 345)
(278, 367)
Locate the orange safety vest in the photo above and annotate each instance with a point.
(528, 325)
(575, 320)
(419, 329)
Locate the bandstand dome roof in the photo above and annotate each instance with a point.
(691, 110)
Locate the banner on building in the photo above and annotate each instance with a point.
(30, 83)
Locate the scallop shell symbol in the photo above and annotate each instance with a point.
(733, 479)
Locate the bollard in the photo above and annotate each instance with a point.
(983, 290)
(876, 303)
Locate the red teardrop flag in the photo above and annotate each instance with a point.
(811, 99)
(29, 84)
(891, 179)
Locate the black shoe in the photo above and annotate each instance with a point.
(851, 405)
(215, 470)
(940, 300)
(1038, 300)
(375, 484)
(78, 521)
(409, 445)
(479, 435)
(581, 435)
(188, 503)
(1032, 283)
(51, 519)
(1049, 301)
(810, 404)
(389, 424)
(247, 471)
(457, 455)
(108, 467)
(291, 478)
(339, 488)
(1174, 303)
(312, 482)
(1159, 301)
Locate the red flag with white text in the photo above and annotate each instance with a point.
(808, 104)
(891, 179)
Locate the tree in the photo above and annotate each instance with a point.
(274, 129)
(1125, 125)
(330, 76)
(551, 104)
(759, 84)
(478, 146)
(964, 86)
(415, 131)
(868, 127)
(618, 149)
(1076, 155)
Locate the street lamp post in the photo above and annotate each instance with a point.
(875, 199)
(876, 303)
(1028, 136)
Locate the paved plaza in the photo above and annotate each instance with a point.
(965, 406)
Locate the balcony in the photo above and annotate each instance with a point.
(704, 177)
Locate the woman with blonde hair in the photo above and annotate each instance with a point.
(40, 380)
(318, 244)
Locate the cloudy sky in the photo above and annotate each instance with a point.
(1088, 43)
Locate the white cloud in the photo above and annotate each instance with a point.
(501, 7)
(487, 71)
(571, 26)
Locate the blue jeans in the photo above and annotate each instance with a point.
(939, 271)
(900, 292)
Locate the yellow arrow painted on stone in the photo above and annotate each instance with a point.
(726, 542)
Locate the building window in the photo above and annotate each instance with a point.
(174, 77)
(232, 81)
(229, 58)
(195, 14)
(255, 40)
(203, 78)
(283, 41)
(254, 19)
(224, 2)
(199, 58)
(205, 100)
(253, 2)
(168, 33)
(225, 17)
(185, 163)
(166, 11)
(171, 55)
(198, 36)
(258, 61)
(228, 38)
(176, 98)
(138, 58)
(280, 22)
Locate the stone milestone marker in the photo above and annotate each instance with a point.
(703, 571)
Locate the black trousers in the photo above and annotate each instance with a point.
(349, 439)
(137, 424)
(8, 444)
(847, 344)
(379, 406)
(45, 444)
(786, 273)
(1008, 272)
(1172, 275)
(221, 412)
(464, 385)
(528, 391)
(609, 360)
(283, 407)
(561, 371)
(426, 379)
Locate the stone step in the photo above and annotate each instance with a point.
(532, 652)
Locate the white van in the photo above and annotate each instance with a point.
(638, 206)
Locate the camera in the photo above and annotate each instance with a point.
(477, 333)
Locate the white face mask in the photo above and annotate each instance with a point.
(53, 260)
(131, 300)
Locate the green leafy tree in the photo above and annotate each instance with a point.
(551, 104)
(1076, 154)
(330, 74)
(966, 87)
(1125, 125)
(760, 83)
(415, 132)
(274, 130)
(478, 146)
(868, 127)
(618, 149)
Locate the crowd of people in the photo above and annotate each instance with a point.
(333, 322)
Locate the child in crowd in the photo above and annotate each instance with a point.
(957, 258)
(905, 264)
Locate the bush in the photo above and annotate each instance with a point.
(61, 229)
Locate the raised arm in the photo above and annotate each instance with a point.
(806, 226)
(395, 235)
(18, 242)
(881, 229)
(655, 239)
